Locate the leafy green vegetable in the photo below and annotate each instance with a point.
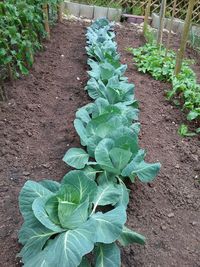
(67, 216)
(150, 58)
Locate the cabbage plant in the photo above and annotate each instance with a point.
(63, 221)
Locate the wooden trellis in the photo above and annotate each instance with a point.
(155, 7)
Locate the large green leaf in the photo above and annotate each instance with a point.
(40, 213)
(30, 191)
(128, 237)
(120, 157)
(102, 154)
(51, 207)
(125, 138)
(52, 186)
(111, 158)
(80, 128)
(124, 196)
(36, 235)
(108, 193)
(109, 224)
(76, 157)
(85, 186)
(92, 144)
(72, 215)
(107, 255)
(95, 88)
(146, 172)
(67, 249)
(106, 177)
(105, 123)
(91, 172)
(83, 114)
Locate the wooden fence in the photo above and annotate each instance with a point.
(139, 7)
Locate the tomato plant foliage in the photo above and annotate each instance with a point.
(21, 33)
(86, 211)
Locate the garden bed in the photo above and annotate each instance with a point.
(36, 128)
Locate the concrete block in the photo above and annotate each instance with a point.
(114, 14)
(87, 11)
(100, 12)
(73, 8)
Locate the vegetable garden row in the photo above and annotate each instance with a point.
(185, 91)
(86, 212)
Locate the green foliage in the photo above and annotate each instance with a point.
(86, 212)
(66, 214)
(21, 32)
(137, 10)
(151, 59)
(184, 131)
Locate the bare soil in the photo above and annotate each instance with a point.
(36, 128)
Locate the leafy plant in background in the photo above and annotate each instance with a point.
(21, 32)
(153, 60)
(86, 212)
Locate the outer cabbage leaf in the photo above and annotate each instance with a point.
(107, 255)
(76, 157)
(128, 237)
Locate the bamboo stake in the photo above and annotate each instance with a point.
(46, 20)
(161, 23)
(60, 11)
(147, 13)
(184, 38)
(170, 28)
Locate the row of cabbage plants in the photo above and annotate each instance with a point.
(81, 221)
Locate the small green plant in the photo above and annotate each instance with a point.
(137, 10)
(153, 60)
(184, 132)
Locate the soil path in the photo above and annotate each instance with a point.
(36, 125)
(168, 211)
(36, 128)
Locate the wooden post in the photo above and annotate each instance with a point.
(147, 13)
(161, 23)
(46, 20)
(170, 28)
(184, 38)
(60, 12)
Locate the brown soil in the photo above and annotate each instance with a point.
(36, 128)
